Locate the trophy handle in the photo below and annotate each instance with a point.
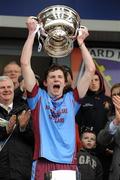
(34, 17)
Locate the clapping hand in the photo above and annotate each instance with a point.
(116, 102)
(11, 124)
(23, 118)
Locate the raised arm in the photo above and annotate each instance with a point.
(25, 59)
(84, 81)
(116, 102)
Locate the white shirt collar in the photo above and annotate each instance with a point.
(8, 108)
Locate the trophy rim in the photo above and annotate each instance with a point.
(60, 5)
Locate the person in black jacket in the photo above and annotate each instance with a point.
(16, 135)
(94, 111)
(95, 106)
(89, 166)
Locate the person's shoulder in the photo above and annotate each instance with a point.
(19, 106)
(82, 151)
(107, 97)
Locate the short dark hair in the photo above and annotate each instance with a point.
(55, 67)
(68, 71)
(85, 129)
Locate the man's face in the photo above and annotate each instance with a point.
(6, 92)
(88, 140)
(13, 71)
(95, 83)
(55, 83)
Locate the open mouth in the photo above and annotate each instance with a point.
(89, 144)
(57, 86)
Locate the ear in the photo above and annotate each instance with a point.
(45, 83)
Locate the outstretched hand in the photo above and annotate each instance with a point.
(82, 35)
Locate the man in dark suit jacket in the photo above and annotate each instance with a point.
(16, 135)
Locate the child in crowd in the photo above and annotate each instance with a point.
(89, 166)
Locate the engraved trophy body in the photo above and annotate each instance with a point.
(59, 26)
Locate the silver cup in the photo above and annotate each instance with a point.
(59, 27)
